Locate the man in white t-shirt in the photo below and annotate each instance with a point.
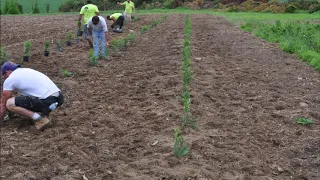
(38, 95)
(100, 32)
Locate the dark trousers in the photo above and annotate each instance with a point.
(120, 21)
(39, 105)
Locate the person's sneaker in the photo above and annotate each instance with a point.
(6, 118)
(42, 123)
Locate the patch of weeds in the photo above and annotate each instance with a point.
(144, 28)
(293, 37)
(304, 121)
(93, 59)
(135, 19)
(66, 73)
(131, 38)
(154, 23)
(122, 42)
(107, 51)
(180, 149)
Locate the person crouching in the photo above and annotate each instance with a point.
(37, 94)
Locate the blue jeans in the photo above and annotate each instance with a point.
(85, 30)
(97, 36)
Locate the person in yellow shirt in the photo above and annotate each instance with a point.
(117, 19)
(129, 7)
(87, 11)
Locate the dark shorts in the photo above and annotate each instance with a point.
(38, 105)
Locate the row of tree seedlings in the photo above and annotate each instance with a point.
(187, 120)
(28, 45)
(118, 43)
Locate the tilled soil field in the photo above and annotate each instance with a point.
(119, 116)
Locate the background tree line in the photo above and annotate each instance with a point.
(16, 7)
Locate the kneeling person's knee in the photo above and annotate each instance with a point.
(10, 103)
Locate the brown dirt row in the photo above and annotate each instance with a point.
(248, 94)
(119, 116)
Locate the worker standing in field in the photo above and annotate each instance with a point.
(38, 95)
(129, 8)
(87, 11)
(98, 26)
(117, 19)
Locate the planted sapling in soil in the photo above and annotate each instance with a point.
(26, 51)
(79, 31)
(46, 48)
(78, 40)
(69, 38)
(59, 45)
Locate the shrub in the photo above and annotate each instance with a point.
(249, 5)
(290, 9)
(261, 7)
(13, 7)
(20, 8)
(143, 5)
(6, 7)
(275, 9)
(47, 7)
(168, 4)
(233, 8)
(71, 5)
(314, 8)
(35, 9)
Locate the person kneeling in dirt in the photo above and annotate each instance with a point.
(99, 32)
(38, 94)
(117, 19)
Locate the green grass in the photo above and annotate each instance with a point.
(304, 121)
(265, 17)
(27, 5)
(293, 37)
(66, 73)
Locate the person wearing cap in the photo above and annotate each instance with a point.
(36, 94)
(87, 11)
(117, 19)
(99, 28)
(129, 7)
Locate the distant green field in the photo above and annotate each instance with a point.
(27, 5)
